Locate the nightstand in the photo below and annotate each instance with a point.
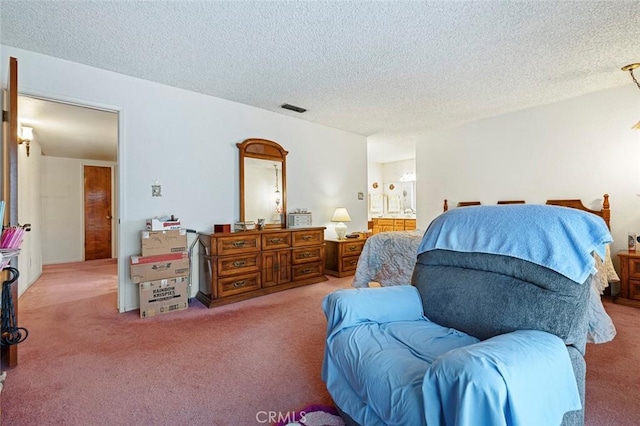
(629, 278)
(341, 256)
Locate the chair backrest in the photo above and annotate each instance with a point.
(485, 295)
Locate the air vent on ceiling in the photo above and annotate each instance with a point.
(293, 108)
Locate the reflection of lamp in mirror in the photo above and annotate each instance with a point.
(341, 215)
(26, 136)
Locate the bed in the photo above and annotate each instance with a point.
(388, 258)
(434, 352)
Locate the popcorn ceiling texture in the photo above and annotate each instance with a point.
(366, 67)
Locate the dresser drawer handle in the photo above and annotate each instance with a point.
(240, 283)
(239, 243)
(307, 270)
(276, 240)
(306, 237)
(239, 264)
(353, 248)
(306, 254)
(353, 262)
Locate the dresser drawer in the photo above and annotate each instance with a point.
(409, 224)
(307, 237)
(349, 263)
(634, 268)
(634, 289)
(276, 240)
(238, 284)
(238, 244)
(383, 222)
(307, 254)
(352, 248)
(234, 265)
(307, 270)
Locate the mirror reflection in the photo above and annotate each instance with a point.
(400, 198)
(263, 191)
(263, 183)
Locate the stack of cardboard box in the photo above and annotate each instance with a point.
(162, 271)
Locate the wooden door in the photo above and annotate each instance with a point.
(97, 212)
(9, 354)
(276, 267)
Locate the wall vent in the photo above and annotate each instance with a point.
(293, 108)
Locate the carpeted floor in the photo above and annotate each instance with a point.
(84, 363)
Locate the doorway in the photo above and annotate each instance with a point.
(70, 142)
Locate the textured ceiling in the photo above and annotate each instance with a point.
(390, 69)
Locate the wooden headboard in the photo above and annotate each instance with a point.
(604, 213)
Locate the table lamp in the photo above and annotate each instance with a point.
(341, 215)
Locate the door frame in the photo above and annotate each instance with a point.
(118, 175)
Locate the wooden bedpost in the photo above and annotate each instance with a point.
(445, 207)
(606, 212)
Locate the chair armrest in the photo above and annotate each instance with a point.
(349, 307)
(522, 377)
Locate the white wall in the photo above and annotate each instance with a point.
(579, 148)
(187, 141)
(29, 212)
(63, 208)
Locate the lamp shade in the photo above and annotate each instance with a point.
(341, 215)
(26, 133)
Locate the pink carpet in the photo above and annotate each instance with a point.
(86, 364)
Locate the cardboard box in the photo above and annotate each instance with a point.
(163, 296)
(163, 242)
(156, 224)
(151, 268)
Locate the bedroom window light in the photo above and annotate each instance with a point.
(630, 68)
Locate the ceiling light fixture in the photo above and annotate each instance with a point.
(630, 68)
(26, 136)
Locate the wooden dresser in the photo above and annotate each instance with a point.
(236, 266)
(342, 256)
(382, 224)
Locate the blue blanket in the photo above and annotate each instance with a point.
(386, 364)
(519, 378)
(559, 238)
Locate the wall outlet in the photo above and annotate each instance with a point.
(360, 195)
(156, 190)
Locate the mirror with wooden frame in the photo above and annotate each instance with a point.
(263, 182)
